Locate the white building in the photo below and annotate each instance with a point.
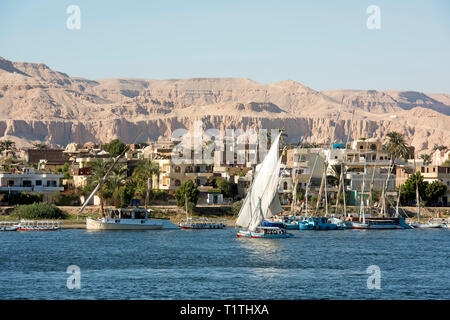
(31, 181)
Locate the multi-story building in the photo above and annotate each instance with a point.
(430, 173)
(439, 157)
(30, 180)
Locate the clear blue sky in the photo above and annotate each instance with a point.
(321, 44)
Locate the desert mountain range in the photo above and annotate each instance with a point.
(38, 104)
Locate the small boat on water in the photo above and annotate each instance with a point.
(293, 223)
(28, 225)
(380, 223)
(9, 225)
(202, 223)
(426, 225)
(319, 223)
(128, 219)
(265, 232)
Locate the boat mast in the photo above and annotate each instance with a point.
(294, 190)
(342, 177)
(371, 187)
(309, 183)
(417, 192)
(326, 198)
(319, 197)
(398, 201)
(186, 207)
(361, 209)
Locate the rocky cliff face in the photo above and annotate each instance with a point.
(38, 104)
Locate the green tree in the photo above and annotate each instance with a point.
(189, 191)
(396, 146)
(98, 169)
(9, 146)
(335, 173)
(115, 181)
(300, 193)
(408, 191)
(126, 194)
(146, 169)
(426, 158)
(40, 145)
(434, 191)
(439, 147)
(225, 187)
(115, 147)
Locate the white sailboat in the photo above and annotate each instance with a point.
(262, 202)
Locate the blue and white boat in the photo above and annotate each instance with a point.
(319, 223)
(262, 202)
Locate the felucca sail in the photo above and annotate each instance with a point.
(262, 200)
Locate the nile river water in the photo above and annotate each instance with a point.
(215, 264)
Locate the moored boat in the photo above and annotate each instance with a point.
(265, 232)
(199, 223)
(380, 223)
(319, 223)
(426, 225)
(28, 225)
(128, 219)
(9, 226)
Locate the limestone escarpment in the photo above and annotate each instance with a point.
(38, 104)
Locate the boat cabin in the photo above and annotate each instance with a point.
(124, 213)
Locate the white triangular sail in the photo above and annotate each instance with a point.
(264, 189)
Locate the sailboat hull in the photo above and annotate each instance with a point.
(292, 226)
(357, 225)
(129, 224)
(426, 225)
(250, 234)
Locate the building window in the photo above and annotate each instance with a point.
(177, 183)
(51, 183)
(285, 185)
(177, 169)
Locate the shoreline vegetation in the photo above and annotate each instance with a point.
(73, 220)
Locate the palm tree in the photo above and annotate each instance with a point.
(396, 146)
(426, 158)
(99, 169)
(8, 145)
(115, 180)
(145, 170)
(335, 171)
